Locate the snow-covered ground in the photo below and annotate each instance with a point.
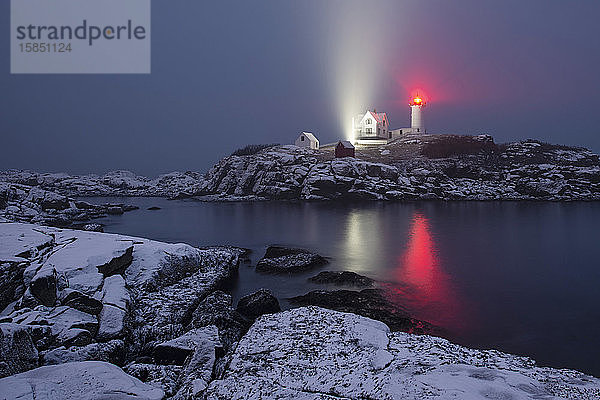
(93, 315)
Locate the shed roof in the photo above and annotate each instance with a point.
(346, 144)
(310, 136)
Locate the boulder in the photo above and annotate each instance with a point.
(23, 241)
(84, 259)
(288, 260)
(258, 303)
(153, 208)
(164, 307)
(165, 377)
(314, 353)
(50, 325)
(75, 381)
(115, 210)
(74, 337)
(93, 228)
(11, 282)
(115, 293)
(118, 263)
(200, 367)
(48, 200)
(342, 278)
(216, 309)
(84, 205)
(370, 303)
(176, 351)
(112, 352)
(81, 301)
(17, 352)
(112, 323)
(43, 287)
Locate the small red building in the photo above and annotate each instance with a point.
(344, 149)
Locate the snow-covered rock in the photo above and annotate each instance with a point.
(115, 293)
(112, 352)
(77, 380)
(198, 371)
(82, 262)
(165, 377)
(258, 303)
(82, 296)
(217, 309)
(288, 260)
(115, 183)
(313, 353)
(58, 320)
(112, 322)
(30, 203)
(443, 167)
(17, 352)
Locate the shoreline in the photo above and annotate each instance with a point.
(150, 282)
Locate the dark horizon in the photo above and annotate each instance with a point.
(228, 74)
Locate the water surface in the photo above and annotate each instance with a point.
(522, 277)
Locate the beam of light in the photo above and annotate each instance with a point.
(358, 61)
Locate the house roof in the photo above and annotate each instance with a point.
(379, 117)
(346, 144)
(310, 136)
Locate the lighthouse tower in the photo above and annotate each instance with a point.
(416, 115)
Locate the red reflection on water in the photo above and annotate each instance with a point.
(423, 284)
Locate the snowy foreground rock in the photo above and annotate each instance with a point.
(313, 353)
(73, 296)
(77, 380)
(88, 315)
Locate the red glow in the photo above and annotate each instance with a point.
(417, 101)
(423, 280)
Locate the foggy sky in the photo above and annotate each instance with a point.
(230, 73)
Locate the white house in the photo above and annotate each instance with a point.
(371, 127)
(307, 139)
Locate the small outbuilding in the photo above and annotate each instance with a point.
(344, 149)
(307, 139)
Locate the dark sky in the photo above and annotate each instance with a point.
(230, 73)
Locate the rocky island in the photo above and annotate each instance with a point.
(414, 167)
(95, 315)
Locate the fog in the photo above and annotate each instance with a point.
(229, 73)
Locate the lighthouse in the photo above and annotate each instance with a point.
(372, 128)
(416, 115)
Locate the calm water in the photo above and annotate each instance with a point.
(520, 277)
